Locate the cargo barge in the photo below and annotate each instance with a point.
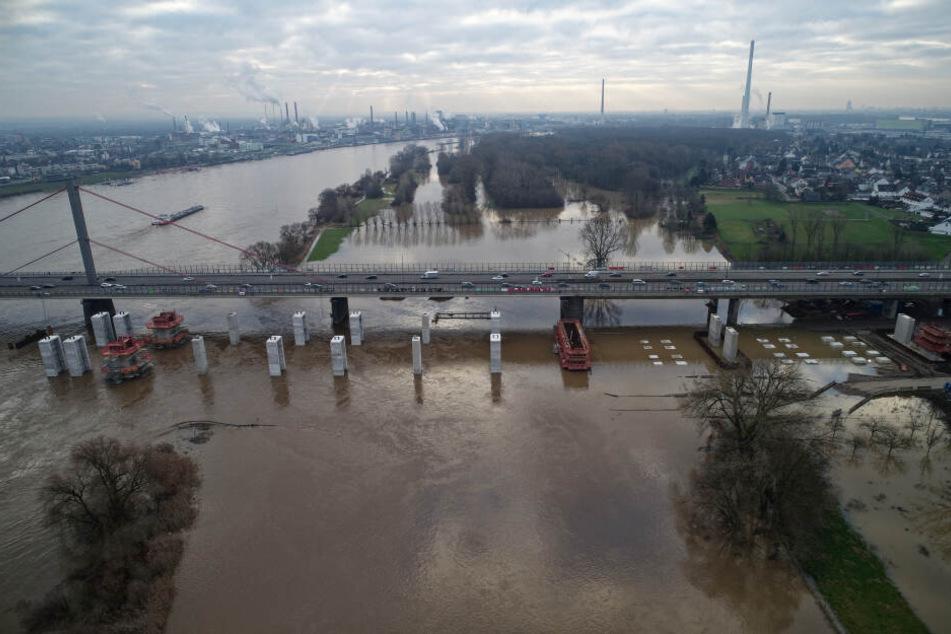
(165, 219)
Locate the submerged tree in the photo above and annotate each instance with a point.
(764, 483)
(602, 236)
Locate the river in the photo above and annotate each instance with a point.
(455, 502)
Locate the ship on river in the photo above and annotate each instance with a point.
(165, 219)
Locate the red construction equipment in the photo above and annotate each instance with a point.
(125, 359)
(572, 345)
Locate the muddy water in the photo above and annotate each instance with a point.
(891, 502)
(543, 501)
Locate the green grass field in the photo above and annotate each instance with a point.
(856, 586)
(330, 239)
(328, 243)
(740, 213)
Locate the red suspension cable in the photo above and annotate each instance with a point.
(135, 257)
(68, 244)
(7, 217)
(206, 236)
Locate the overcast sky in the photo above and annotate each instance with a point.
(220, 58)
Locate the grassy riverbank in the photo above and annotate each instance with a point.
(854, 583)
(744, 219)
(331, 238)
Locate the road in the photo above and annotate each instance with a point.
(781, 282)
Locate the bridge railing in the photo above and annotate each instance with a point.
(409, 268)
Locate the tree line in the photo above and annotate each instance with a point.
(338, 205)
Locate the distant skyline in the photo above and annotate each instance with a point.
(226, 58)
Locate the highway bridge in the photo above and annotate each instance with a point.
(630, 281)
(623, 280)
(571, 284)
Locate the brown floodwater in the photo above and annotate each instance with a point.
(454, 502)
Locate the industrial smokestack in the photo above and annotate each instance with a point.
(296, 120)
(287, 113)
(602, 98)
(371, 116)
(396, 118)
(406, 117)
(745, 112)
(769, 102)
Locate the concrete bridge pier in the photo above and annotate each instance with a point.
(339, 310)
(733, 311)
(94, 305)
(890, 309)
(572, 307)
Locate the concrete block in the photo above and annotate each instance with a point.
(715, 330)
(904, 329)
(77, 356)
(301, 331)
(338, 355)
(495, 322)
(426, 328)
(51, 351)
(233, 334)
(102, 329)
(275, 355)
(201, 356)
(417, 356)
(356, 328)
(730, 344)
(495, 353)
(122, 324)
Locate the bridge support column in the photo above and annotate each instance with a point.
(51, 351)
(201, 356)
(730, 344)
(572, 308)
(495, 354)
(338, 355)
(77, 357)
(733, 311)
(122, 323)
(495, 319)
(234, 335)
(714, 330)
(904, 329)
(890, 309)
(301, 331)
(339, 310)
(417, 355)
(275, 355)
(426, 328)
(92, 306)
(356, 328)
(102, 329)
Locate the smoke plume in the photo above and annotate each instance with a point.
(151, 105)
(246, 82)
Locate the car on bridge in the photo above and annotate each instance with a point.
(592, 274)
(638, 282)
(822, 273)
(547, 274)
(924, 275)
(468, 285)
(846, 284)
(499, 278)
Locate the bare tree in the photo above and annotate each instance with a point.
(261, 255)
(933, 435)
(873, 426)
(835, 423)
(813, 224)
(890, 439)
(765, 480)
(838, 224)
(898, 236)
(856, 442)
(601, 236)
(795, 221)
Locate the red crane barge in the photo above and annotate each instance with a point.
(571, 344)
